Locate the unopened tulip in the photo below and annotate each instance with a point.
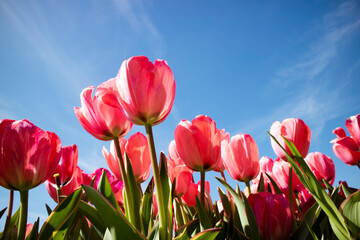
(199, 143)
(194, 190)
(241, 158)
(69, 174)
(136, 147)
(266, 166)
(146, 90)
(273, 215)
(346, 148)
(281, 171)
(322, 166)
(102, 116)
(225, 136)
(294, 130)
(28, 156)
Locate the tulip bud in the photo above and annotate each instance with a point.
(322, 166)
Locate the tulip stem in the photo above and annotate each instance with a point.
(128, 204)
(158, 193)
(202, 188)
(9, 213)
(24, 197)
(247, 183)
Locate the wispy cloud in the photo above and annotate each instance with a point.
(133, 11)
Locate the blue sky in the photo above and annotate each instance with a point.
(242, 63)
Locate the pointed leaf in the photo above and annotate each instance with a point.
(208, 234)
(104, 188)
(145, 212)
(93, 216)
(203, 215)
(48, 209)
(350, 209)
(187, 230)
(33, 235)
(2, 212)
(111, 217)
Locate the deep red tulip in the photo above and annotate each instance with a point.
(294, 130)
(241, 157)
(146, 90)
(322, 166)
(102, 116)
(346, 148)
(137, 149)
(70, 175)
(28, 156)
(280, 174)
(273, 215)
(199, 143)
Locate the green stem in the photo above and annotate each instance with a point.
(247, 183)
(24, 196)
(183, 213)
(158, 193)
(128, 204)
(202, 188)
(9, 213)
(58, 187)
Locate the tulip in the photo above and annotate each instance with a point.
(273, 215)
(241, 158)
(136, 147)
(281, 171)
(266, 166)
(194, 190)
(102, 116)
(294, 130)
(346, 148)
(225, 136)
(322, 166)
(146, 90)
(199, 143)
(28, 156)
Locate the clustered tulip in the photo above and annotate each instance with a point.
(346, 148)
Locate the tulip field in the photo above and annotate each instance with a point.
(294, 196)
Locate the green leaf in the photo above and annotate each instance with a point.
(134, 192)
(33, 235)
(308, 179)
(61, 214)
(205, 222)
(261, 187)
(154, 233)
(346, 191)
(104, 188)
(14, 221)
(93, 216)
(164, 178)
(146, 206)
(225, 202)
(304, 228)
(208, 234)
(2, 212)
(249, 225)
(110, 235)
(274, 184)
(185, 232)
(350, 209)
(111, 217)
(48, 209)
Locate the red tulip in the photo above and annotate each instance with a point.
(102, 116)
(199, 143)
(294, 130)
(273, 215)
(322, 166)
(194, 190)
(70, 175)
(137, 149)
(146, 90)
(225, 136)
(241, 158)
(281, 173)
(177, 169)
(28, 156)
(346, 148)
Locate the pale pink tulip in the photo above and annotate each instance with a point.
(273, 215)
(137, 148)
(199, 143)
(28, 156)
(146, 90)
(346, 148)
(281, 171)
(241, 157)
(322, 166)
(102, 116)
(294, 130)
(225, 136)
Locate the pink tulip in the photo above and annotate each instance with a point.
(102, 116)
(225, 136)
(137, 149)
(322, 166)
(199, 143)
(294, 130)
(273, 215)
(70, 176)
(28, 156)
(146, 90)
(346, 148)
(194, 190)
(241, 158)
(281, 171)
(266, 166)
